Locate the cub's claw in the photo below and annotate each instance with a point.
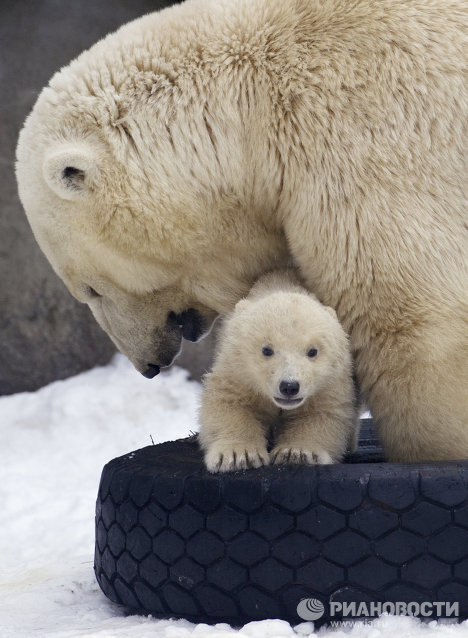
(233, 459)
(298, 456)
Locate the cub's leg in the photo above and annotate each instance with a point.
(231, 436)
(313, 438)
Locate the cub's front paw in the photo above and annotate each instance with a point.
(281, 454)
(231, 459)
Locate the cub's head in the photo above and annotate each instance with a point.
(288, 346)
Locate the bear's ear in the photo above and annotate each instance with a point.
(71, 171)
(331, 312)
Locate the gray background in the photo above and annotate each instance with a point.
(44, 333)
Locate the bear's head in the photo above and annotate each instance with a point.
(287, 346)
(145, 183)
(90, 232)
(158, 239)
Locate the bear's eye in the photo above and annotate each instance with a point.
(267, 351)
(90, 292)
(313, 352)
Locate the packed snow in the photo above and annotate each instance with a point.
(54, 444)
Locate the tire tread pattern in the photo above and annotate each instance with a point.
(174, 540)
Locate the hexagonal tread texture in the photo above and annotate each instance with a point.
(174, 540)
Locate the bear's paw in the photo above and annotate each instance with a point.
(293, 455)
(233, 458)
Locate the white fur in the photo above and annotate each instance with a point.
(227, 136)
(243, 406)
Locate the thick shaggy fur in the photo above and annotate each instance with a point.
(243, 407)
(197, 148)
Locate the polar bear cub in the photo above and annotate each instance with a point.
(282, 373)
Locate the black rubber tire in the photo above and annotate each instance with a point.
(174, 540)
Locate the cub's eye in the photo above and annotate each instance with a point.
(313, 352)
(267, 351)
(90, 292)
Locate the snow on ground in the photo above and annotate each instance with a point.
(54, 444)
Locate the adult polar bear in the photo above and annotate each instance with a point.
(182, 157)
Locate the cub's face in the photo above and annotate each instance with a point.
(291, 347)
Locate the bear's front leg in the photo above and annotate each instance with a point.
(317, 439)
(231, 436)
(415, 383)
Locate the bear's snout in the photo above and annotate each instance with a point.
(289, 388)
(191, 323)
(151, 371)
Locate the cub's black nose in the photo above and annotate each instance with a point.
(289, 388)
(151, 371)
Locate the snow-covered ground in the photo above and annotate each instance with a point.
(54, 444)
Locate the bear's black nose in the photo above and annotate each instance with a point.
(151, 371)
(289, 388)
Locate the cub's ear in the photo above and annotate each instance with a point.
(331, 312)
(242, 304)
(71, 171)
